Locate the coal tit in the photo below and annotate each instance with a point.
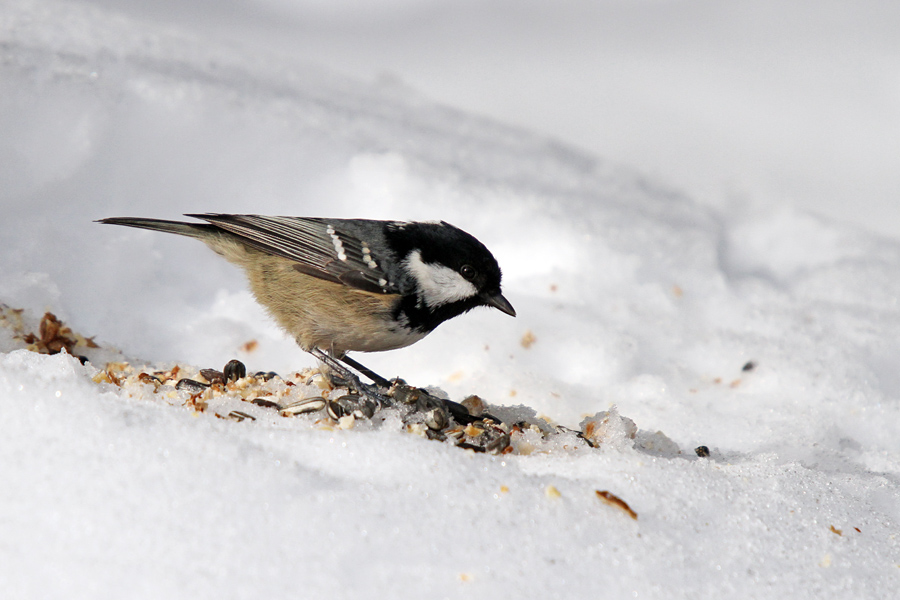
(342, 285)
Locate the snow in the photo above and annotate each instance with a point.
(795, 102)
(763, 332)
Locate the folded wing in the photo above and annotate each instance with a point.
(321, 248)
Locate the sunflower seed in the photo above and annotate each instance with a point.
(265, 403)
(307, 405)
(213, 376)
(436, 418)
(240, 416)
(356, 405)
(333, 409)
(234, 370)
(189, 385)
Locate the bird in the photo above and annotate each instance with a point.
(350, 285)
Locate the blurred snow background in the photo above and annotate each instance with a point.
(648, 286)
(795, 103)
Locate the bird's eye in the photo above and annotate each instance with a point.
(468, 272)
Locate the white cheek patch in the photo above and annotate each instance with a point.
(438, 284)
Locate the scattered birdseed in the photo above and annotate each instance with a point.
(325, 402)
(234, 370)
(616, 502)
(528, 340)
(191, 386)
(240, 416)
(306, 405)
(213, 376)
(474, 404)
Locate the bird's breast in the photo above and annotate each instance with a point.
(324, 314)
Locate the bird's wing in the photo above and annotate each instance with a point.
(322, 248)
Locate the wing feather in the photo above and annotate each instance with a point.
(323, 248)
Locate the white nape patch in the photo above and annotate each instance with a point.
(437, 284)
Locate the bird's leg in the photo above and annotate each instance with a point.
(368, 391)
(378, 379)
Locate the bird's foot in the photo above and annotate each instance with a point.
(434, 412)
(376, 392)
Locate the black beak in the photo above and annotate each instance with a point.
(500, 303)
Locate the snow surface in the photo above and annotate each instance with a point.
(635, 296)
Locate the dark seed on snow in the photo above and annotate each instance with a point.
(189, 385)
(436, 418)
(234, 370)
(265, 403)
(356, 405)
(334, 410)
(213, 376)
(468, 446)
(459, 412)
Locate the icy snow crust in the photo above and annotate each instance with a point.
(631, 296)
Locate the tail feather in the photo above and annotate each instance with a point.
(194, 230)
